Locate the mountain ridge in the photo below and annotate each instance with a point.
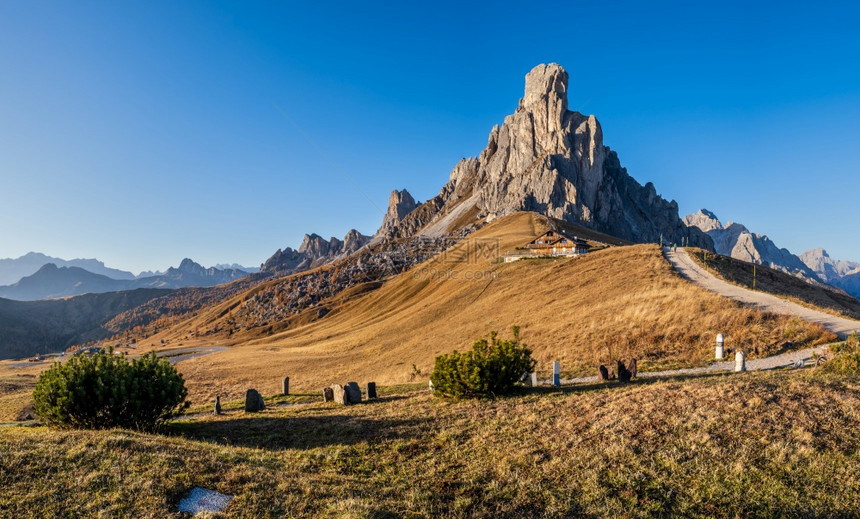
(53, 282)
(13, 269)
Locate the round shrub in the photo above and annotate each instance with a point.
(492, 368)
(105, 390)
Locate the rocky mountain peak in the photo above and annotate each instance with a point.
(353, 241)
(832, 270)
(188, 264)
(400, 204)
(548, 159)
(546, 97)
(313, 252)
(313, 244)
(704, 220)
(737, 241)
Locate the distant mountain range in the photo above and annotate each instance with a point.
(736, 241)
(12, 270)
(52, 281)
(839, 273)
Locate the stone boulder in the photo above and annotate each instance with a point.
(253, 401)
(602, 373)
(353, 392)
(340, 395)
(624, 374)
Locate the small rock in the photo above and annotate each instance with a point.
(602, 373)
(623, 374)
(632, 367)
(203, 500)
(328, 394)
(27, 414)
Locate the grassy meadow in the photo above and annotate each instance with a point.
(763, 444)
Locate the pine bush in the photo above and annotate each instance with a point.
(105, 390)
(492, 368)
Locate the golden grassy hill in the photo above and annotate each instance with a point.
(620, 302)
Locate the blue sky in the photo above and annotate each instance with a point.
(142, 133)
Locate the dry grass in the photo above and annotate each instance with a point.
(812, 295)
(752, 445)
(15, 393)
(615, 303)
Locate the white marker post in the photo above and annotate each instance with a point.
(740, 362)
(721, 351)
(556, 374)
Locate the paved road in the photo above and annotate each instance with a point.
(790, 359)
(691, 270)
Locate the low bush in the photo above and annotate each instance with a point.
(492, 368)
(106, 390)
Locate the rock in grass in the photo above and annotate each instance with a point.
(201, 500)
(632, 367)
(602, 373)
(371, 390)
(624, 374)
(339, 394)
(353, 393)
(253, 401)
(328, 395)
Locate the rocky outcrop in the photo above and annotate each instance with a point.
(400, 204)
(551, 160)
(737, 241)
(313, 252)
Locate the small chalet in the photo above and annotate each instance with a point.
(551, 243)
(556, 243)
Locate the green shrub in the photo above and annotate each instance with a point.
(492, 368)
(844, 357)
(105, 390)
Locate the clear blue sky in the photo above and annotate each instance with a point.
(144, 132)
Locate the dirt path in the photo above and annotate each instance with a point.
(688, 268)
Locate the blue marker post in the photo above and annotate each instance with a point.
(556, 374)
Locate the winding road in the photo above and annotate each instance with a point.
(841, 326)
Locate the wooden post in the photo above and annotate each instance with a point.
(285, 385)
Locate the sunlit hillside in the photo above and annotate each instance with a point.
(620, 302)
